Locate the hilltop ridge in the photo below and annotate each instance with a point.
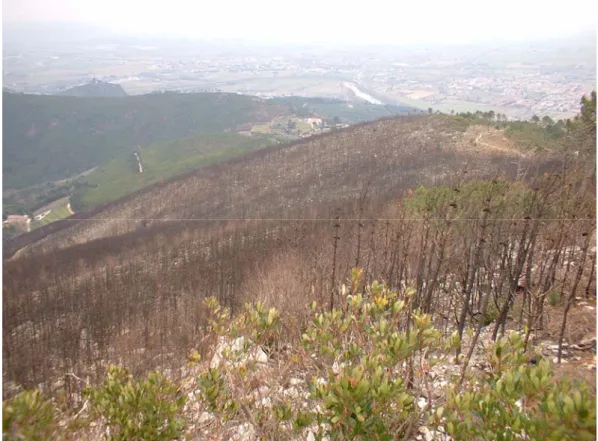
(95, 88)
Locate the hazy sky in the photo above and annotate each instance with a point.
(332, 21)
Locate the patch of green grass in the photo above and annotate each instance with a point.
(554, 297)
(304, 126)
(55, 214)
(121, 176)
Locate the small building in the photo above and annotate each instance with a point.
(16, 218)
(18, 222)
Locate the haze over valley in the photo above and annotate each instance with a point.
(516, 79)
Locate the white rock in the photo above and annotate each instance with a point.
(205, 417)
(422, 402)
(258, 355)
(244, 432)
(263, 390)
(234, 350)
(337, 368)
(427, 434)
(237, 345)
(295, 381)
(291, 392)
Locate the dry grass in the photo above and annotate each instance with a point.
(581, 322)
(280, 281)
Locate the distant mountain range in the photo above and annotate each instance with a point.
(95, 88)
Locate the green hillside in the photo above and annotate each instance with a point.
(161, 161)
(47, 138)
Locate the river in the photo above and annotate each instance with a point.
(361, 94)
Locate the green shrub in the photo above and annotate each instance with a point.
(354, 359)
(491, 315)
(257, 327)
(28, 416)
(138, 410)
(517, 401)
(367, 396)
(357, 361)
(554, 297)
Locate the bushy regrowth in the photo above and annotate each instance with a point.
(518, 400)
(364, 365)
(256, 327)
(355, 361)
(500, 197)
(28, 416)
(369, 396)
(136, 410)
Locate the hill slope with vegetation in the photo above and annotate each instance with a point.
(51, 141)
(314, 173)
(47, 138)
(411, 277)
